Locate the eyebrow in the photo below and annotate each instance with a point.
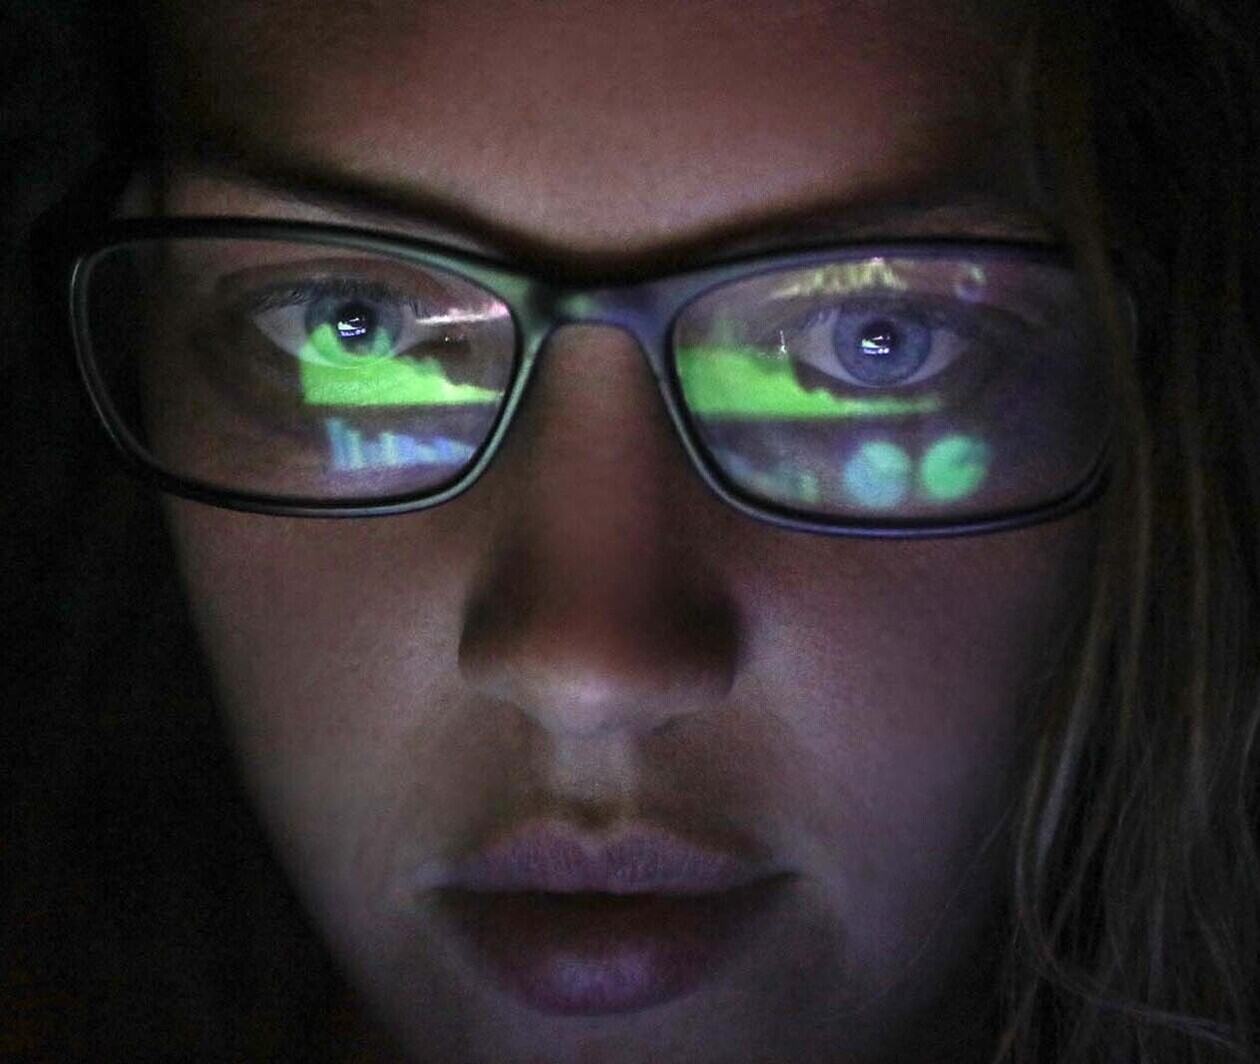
(346, 198)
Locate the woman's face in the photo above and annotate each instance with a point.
(588, 642)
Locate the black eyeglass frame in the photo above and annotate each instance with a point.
(646, 309)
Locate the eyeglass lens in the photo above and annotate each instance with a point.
(298, 370)
(895, 386)
(918, 387)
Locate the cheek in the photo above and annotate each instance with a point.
(328, 642)
(916, 659)
(908, 673)
(931, 632)
(867, 739)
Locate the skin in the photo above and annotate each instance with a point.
(588, 632)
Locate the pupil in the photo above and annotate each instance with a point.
(879, 339)
(355, 321)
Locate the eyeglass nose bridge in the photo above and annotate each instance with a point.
(645, 312)
(638, 310)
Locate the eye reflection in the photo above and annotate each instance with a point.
(356, 341)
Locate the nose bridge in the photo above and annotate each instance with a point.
(597, 425)
(590, 616)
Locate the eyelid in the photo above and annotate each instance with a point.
(936, 312)
(359, 277)
(979, 321)
(302, 292)
(279, 314)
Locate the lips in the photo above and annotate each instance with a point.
(642, 860)
(567, 923)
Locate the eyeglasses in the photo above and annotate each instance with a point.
(892, 389)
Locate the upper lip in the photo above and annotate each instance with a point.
(639, 859)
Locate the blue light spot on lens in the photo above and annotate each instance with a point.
(352, 451)
(878, 475)
(953, 467)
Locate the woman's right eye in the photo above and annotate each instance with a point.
(355, 342)
(348, 327)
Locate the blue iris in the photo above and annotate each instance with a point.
(882, 350)
(356, 322)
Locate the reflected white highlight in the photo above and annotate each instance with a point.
(464, 317)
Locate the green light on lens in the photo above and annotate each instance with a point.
(331, 376)
(331, 349)
(878, 475)
(722, 381)
(582, 307)
(953, 467)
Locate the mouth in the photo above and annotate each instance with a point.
(568, 924)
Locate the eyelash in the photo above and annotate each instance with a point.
(298, 293)
(929, 311)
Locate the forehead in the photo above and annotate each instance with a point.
(600, 125)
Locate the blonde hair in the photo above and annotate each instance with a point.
(1136, 879)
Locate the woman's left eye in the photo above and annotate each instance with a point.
(871, 344)
(339, 325)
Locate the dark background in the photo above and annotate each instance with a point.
(143, 916)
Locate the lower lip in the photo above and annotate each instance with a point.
(594, 954)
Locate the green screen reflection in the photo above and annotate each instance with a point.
(720, 381)
(878, 475)
(953, 467)
(331, 376)
(717, 382)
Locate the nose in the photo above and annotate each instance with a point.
(597, 610)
